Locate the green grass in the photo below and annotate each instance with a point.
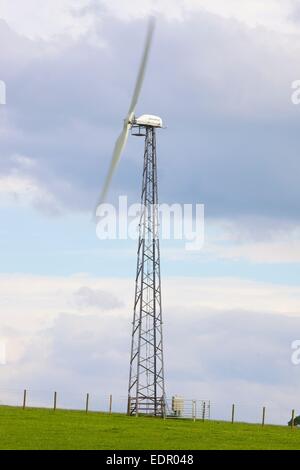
(44, 429)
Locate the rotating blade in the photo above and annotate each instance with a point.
(119, 147)
(142, 70)
(121, 141)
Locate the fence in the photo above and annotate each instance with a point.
(66, 401)
(177, 407)
(180, 408)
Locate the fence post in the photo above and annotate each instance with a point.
(264, 416)
(163, 407)
(24, 399)
(110, 404)
(87, 403)
(293, 419)
(204, 411)
(55, 401)
(194, 410)
(129, 406)
(233, 414)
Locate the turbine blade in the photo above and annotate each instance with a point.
(119, 147)
(142, 70)
(121, 141)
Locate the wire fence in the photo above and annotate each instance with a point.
(176, 407)
(77, 401)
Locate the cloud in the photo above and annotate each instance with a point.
(231, 120)
(20, 190)
(20, 186)
(274, 16)
(263, 252)
(256, 241)
(40, 298)
(53, 19)
(76, 18)
(294, 15)
(86, 297)
(223, 340)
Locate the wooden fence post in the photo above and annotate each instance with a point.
(129, 406)
(204, 411)
(87, 403)
(194, 410)
(110, 404)
(55, 401)
(264, 416)
(24, 399)
(233, 414)
(163, 408)
(293, 419)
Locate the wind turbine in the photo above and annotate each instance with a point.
(146, 390)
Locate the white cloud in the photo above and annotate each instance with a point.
(31, 299)
(223, 338)
(255, 241)
(261, 252)
(46, 19)
(31, 303)
(26, 191)
(86, 297)
(272, 15)
(58, 17)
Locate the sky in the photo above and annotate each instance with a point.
(220, 75)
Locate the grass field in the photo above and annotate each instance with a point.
(44, 429)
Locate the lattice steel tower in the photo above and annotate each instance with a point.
(146, 393)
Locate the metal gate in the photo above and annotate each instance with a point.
(180, 408)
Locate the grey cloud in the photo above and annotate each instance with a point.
(91, 344)
(17, 52)
(223, 90)
(235, 346)
(295, 11)
(92, 7)
(209, 354)
(79, 353)
(86, 297)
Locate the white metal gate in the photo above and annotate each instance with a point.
(178, 407)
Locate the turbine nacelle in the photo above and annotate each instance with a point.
(148, 120)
